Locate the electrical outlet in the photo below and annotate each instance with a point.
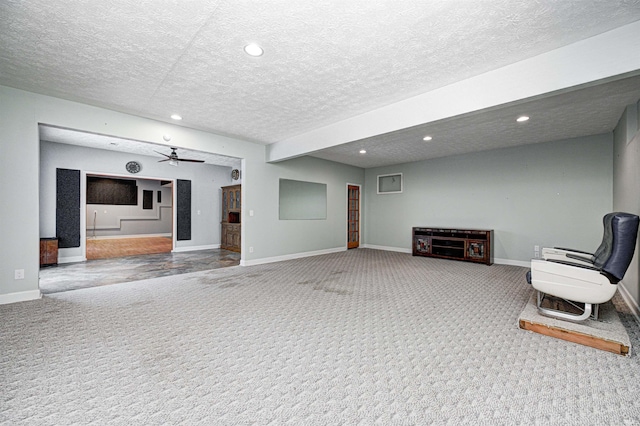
(19, 274)
(250, 249)
(536, 248)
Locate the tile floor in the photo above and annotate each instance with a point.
(93, 273)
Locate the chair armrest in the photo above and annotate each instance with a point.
(580, 258)
(573, 251)
(564, 254)
(573, 264)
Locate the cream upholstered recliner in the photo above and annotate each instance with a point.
(584, 277)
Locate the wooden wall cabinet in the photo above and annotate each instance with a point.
(48, 251)
(231, 213)
(472, 245)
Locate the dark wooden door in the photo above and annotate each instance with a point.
(353, 216)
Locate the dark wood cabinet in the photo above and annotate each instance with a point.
(48, 251)
(472, 245)
(231, 213)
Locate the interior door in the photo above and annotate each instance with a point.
(353, 216)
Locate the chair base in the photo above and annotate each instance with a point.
(587, 312)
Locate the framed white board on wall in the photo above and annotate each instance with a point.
(390, 184)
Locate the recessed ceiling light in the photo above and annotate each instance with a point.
(427, 138)
(253, 50)
(176, 116)
(363, 151)
(522, 119)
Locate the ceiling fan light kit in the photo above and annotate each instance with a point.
(173, 158)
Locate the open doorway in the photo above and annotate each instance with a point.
(128, 216)
(353, 216)
(185, 198)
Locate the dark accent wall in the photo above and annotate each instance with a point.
(183, 220)
(68, 208)
(112, 191)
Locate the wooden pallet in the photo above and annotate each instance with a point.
(576, 337)
(539, 324)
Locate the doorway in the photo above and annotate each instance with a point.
(353, 216)
(128, 216)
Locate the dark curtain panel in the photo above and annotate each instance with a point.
(68, 208)
(183, 224)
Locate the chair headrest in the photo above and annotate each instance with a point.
(603, 252)
(622, 243)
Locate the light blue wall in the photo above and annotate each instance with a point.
(546, 194)
(626, 185)
(206, 180)
(543, 194)
(284, 237)
(20, 114)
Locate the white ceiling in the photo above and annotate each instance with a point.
(92, 140)
(324, 61)
(589, 111)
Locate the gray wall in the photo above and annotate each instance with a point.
(20, 114)
(288, 237)
(544, 194)
(206, 182)
(626, 185)
(122, 220)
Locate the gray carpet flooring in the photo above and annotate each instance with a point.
(356, 338)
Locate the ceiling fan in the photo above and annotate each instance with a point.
(173, 158)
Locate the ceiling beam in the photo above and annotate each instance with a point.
(597, 59)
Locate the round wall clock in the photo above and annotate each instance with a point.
(133, 167)
(235, 174)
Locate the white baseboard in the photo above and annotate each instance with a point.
(290, 256)
(523, 263)
(386, 248)
(195, 248)
(115, 237)
(21, 296)
(72, 259)
(631, 303)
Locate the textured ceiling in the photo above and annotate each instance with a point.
(92, 140)
(324, 61)
(588, 111)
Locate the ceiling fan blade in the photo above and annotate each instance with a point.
(168, 156)
(191, 161)
(160, 161)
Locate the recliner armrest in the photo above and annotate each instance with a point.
(574, 264)
(549, 253)
(573, 250)
(580, 258)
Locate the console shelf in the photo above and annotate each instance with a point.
(472, 245)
